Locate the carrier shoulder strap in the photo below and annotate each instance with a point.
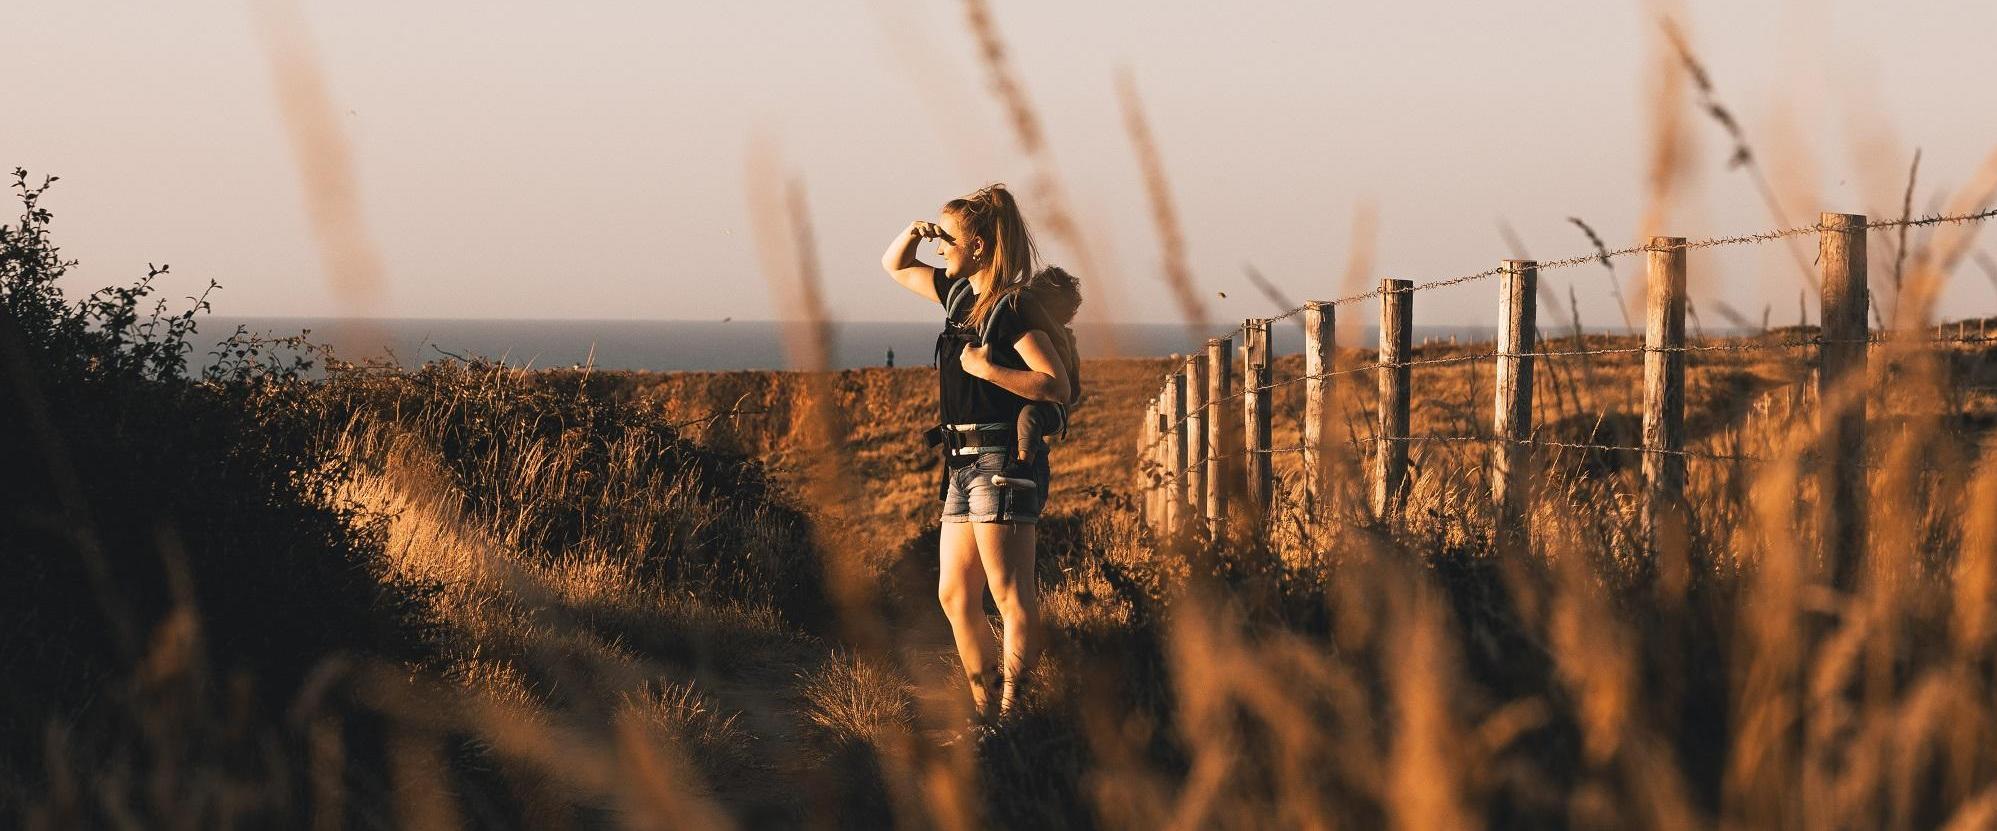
(958, 291)
(985, 328)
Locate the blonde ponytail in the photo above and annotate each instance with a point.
(991, 214)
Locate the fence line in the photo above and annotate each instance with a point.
(1840, 350)
(1363, 442)
(1703, 455)
(1626, 350)
(1756, 238)
(1711, 242)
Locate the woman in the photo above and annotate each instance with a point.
(990, 363)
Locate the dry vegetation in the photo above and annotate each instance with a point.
(1349, 673)
(570, 598)
(475, 595)
(1578, 640)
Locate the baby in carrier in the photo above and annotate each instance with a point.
(1037, 421)
(1054, 297)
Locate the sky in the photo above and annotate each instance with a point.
(589, 160)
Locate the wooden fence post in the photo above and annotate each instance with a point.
(1156, 455)
(1664, 396)
(1511, 474)
(1220, 382)
(1255, 415)
(1146, 458)
(1390, 458)
(1175, 449)
(1198, 449)
(1841, 387)
(1154, 459)
(1320, 326)
(1160, 453)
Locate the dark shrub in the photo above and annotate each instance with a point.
(129, 490)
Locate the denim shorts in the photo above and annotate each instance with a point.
(970, 496)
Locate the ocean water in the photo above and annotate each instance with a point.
(668, 345)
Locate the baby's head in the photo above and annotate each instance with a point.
(1059, 293)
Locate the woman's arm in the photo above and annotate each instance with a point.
(1044, 379)
(900, 263)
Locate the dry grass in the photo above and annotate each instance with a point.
(1336, 672)
(323, 156)
(1055, 212)
(572, 659)
(1794, 172)
(736, 625)
(1164, 215)
(1456, 660)
(856, 701)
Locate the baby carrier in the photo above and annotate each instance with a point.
(1048, 303)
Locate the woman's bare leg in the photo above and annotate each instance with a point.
(1008, 552)
(961, 590)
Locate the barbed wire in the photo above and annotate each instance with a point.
(1204, 408)
(1207, 409)
(1566, 262)
(1568, 353)
(1700, 454)
(1294, 312)
(1709, 242)
(1540, 443)
(1226, 334)
(1161, 477)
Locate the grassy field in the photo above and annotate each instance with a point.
(289, 591)
(475, 595)
(1334, 671)
(625, 612)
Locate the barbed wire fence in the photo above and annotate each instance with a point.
(1192, 465)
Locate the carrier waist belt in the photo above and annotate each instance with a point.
(972, 439)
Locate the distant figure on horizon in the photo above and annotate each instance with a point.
(994, 357)
(890, 357)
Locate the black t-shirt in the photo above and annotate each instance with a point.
(966, 399)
